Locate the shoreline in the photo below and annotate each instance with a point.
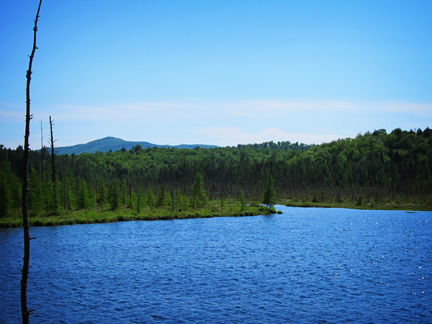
(123, 215)
(367, 206)
(97, 217)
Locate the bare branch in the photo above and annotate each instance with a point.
(26, 260)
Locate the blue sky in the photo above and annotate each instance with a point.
(215, 72)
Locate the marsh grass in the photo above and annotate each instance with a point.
(97, 215)
(371, 205)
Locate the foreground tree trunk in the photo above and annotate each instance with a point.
(26, 260)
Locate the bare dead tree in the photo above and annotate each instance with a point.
(171, 180)
(53, 164)
(42, 165)
(26, 260)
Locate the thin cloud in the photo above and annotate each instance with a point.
(130, 111)
(13, 115)
(161, 120)
(408, 107)
(11, 112)
(196, 109)
(281, 107)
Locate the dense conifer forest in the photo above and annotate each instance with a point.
(375, 168)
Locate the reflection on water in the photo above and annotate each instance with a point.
(307, 265)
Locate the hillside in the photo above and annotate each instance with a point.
(115, 144)
(374, 170)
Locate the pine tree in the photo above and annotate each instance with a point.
(4, 196)
(242, 201)
(185, 203)
(161, 198)
(68, 196)
(113, 195)
(178, 199)
(83, 196)
(269, 197)
(130, 197)
(101, 196)
(35, 197)
(199, 195)
(140, 200)
(150, 197)
(169, 199)
(91, 195)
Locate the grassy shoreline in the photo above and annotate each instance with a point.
(97, 215)
(365, 206)
(148, 214)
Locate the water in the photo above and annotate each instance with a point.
(307, 265)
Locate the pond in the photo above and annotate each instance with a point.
(306, 265)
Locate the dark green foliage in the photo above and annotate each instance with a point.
(83, 197)
(383, 166)
(242, 201)
(198, 193)
(36, 197)
(140, 200)
(5, 196)
(179, 200)
(285, 146)
(102, 194)
(113, 195)
(269, 196)
(10, 190)
(150, 197)
(161, 198)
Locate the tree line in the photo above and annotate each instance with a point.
(376, 165)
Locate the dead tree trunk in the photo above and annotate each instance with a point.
(53, 165)
(26, 260)
(171, 180)
(42, 168)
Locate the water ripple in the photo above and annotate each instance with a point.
(307, 265)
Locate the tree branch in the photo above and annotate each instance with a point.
(26, 260)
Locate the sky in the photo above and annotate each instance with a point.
(215, 71)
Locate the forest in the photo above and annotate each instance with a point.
(374, 169)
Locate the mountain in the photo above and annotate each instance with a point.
(116, 144)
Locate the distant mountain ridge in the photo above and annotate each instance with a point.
(115, 144)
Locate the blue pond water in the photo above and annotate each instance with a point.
(307, 265)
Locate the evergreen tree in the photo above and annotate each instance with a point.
(150, 197)
(242, 201)
(395, 165)
(10, 193)
(130, 197)
(91, 195)
(199, 195)
(69, 197)
(101, 196)
(83, 196)
(113, 195)
(50, 198)
(269, 197)
(178, 199)
(169, 199)
(4, 196)
(161, 198)
(185, 203)
(35, 199)
(141, 199)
